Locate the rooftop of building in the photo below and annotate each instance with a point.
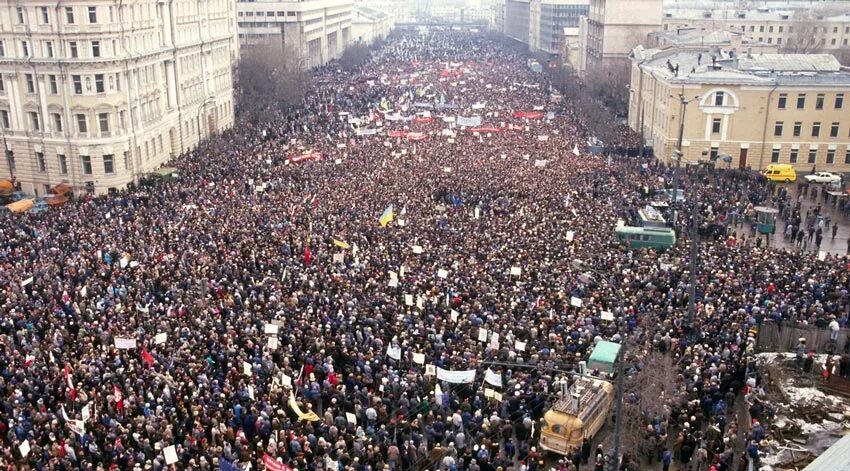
(365, 13)
(724, 65)
(701, 37)
(780, 12)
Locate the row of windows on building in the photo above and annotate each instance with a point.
(812, 156)
(81, 121)
(79, 83)
(86, 163)
(778, 129)
(70, 13)
(72, 50)
(820, 100)
(91, 14)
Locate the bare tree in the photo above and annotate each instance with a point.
(271, 78)
(649, 393)
(354, 56)
(609, 83)
(808, 33)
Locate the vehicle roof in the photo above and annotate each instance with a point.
(644, 230)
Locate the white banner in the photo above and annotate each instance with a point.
(125, 344)
(394, 352)
(467, 376)
(493, 378)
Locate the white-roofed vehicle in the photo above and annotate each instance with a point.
(823, 177)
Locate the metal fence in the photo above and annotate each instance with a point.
(775, 339)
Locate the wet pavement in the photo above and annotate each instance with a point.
(830, 245)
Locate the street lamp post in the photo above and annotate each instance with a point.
(678, 154)
(614, 457)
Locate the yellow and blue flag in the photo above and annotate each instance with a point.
(386, 216)
(340, 243)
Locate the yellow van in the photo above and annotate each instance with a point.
(578, 414)
(780, 173)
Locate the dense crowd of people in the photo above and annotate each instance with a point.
(287, 301)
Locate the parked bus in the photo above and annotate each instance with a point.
(652, 237)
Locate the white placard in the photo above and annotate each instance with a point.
(25, 448)
(24, 283)
(351, 418)
(339, 257)
(430, 370)
(516, 271)
(170, 454)
(570, 235)
(86, 412)
(821, 255)
(246, 368)
(271, 329)
(408, 300)
(160, 338)
(286, 380)
(454, 315)
(125, 344)
(400, 222)
(419, 358)
(393, 283)
(574, 301)
(272, 343)
(420, 302)
(482, 334)
(251, 392)
(519, 346)
(417, 249)
(442, 273)
(393, 275)
(607, 315)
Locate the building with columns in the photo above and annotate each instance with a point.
(98, 93)
(758, 109)
(319, 30)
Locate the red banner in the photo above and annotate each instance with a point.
(313, 156)
(485, 129)
(423, 120)
(397, 134)
(416, 136)
(273, 465)
(528, 114)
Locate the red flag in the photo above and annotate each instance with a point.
(308, 256)
(119, 397)
(147, 357)
(70, 382)
(28, 361)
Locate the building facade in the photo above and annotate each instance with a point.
(613, 27)
(540, 23)
(795, 26)
(96, 94)
(757, 109)
(319, 30)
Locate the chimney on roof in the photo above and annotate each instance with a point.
(735, 42)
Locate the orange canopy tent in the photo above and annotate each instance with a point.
(6, 187)
(61, 189)
(21, 206)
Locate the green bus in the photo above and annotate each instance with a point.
(653, 237)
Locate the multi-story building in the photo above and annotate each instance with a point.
(319, 30)
(796, 26)
(757, 109)
(540, 23)
(613, 27)
(370, 24)
(97, 93)
(498, 7)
